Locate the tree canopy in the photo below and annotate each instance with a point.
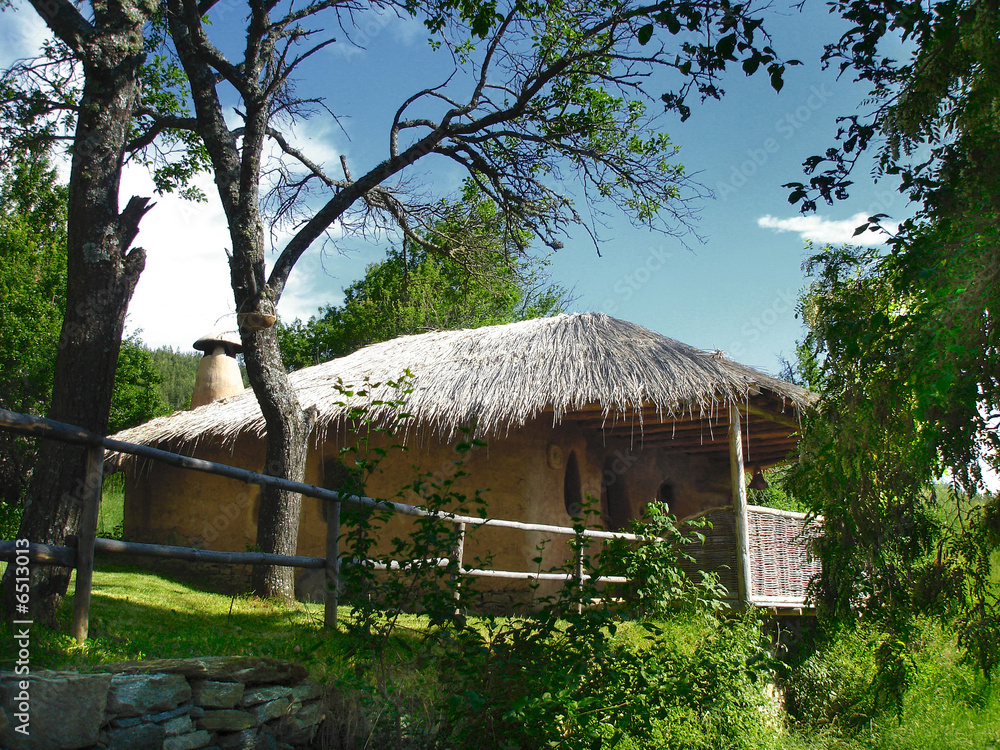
(405, 295)
(904, 340)
(32, 299)
(33, 295)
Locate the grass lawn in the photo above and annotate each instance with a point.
(139, 615)
(136, 614)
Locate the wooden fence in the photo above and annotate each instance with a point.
(80, 553)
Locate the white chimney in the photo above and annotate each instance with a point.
(218, 372)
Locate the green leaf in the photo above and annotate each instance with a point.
(645, 33)
(776, 78)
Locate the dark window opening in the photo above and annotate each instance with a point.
(572, 490)
(665, 495)
(614, 496)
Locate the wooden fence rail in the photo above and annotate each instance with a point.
(81, 554)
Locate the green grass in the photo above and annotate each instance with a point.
(140, 615)
(948, 706)
(111, 516)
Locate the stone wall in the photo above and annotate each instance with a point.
(173, 704)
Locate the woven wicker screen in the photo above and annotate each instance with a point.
(780, 564)
(718, 553)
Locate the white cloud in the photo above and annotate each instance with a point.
(826, 231)
(184, 290)
(21, 34)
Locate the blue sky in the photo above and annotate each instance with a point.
(735, 290)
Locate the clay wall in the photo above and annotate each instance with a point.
(538, 474)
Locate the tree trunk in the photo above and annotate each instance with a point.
(102, 275)
(236, 162)
(287, 440)
(287, 425)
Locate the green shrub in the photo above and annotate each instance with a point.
(832, 686)
(557, 676)
(10, 519)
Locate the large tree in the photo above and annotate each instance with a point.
(906, 338)
(87, 92)
(33, 296)
(539, 91)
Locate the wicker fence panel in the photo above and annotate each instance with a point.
(718, 553)
(780, 563)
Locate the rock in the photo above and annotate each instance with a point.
(138, 694)
(164, 716)
(250, 670)
(307, 715)
(214, 694)
(179, 725)
(225, 720)
(131, 721)
(301, 737)
(307, 691)
(264, 694)
(141, 737)
(272, 710)
(298, 728)
(201, 738)
(78, 700)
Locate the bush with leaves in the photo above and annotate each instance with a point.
(558, 674)
(657, 584)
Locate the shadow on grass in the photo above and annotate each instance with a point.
(136, 614)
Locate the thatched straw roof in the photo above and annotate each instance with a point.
(500, 377)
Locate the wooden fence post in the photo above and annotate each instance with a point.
(332, 563)
(90, 498)
(457, 554)
(743, 574)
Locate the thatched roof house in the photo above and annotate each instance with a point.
(571, 406)
(589, 367)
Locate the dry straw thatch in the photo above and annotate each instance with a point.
(500, 377)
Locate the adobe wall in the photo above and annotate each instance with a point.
(529, 477)
(519, 482)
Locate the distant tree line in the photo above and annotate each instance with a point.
(414, 291)
(177, 370)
